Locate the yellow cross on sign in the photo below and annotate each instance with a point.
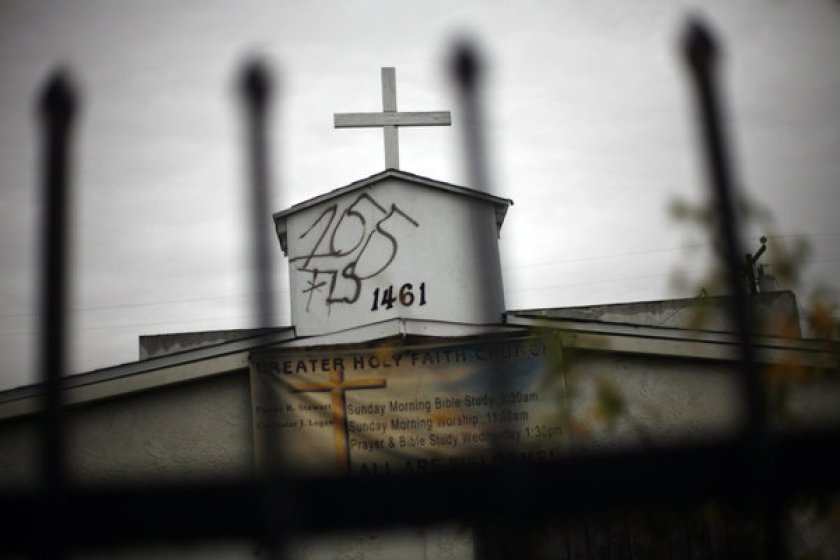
(337, 386)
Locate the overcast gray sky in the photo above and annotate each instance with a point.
(589, 122)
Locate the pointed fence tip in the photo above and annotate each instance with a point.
(464, 64)
(255, 80)
(59, 96)
(699, 44)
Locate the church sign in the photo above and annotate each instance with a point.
(399, 408)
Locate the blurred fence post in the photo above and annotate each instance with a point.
(701, 55)
(57, 111)
(256, 91)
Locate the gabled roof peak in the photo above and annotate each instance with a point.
(501, 204)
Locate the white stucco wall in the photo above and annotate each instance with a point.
(186, 432)
(347, 251)
(667, 400)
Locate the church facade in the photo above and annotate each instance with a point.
(403, 358)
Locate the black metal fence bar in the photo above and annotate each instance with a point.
(57, 113)
(702, 57)
(701, 53)
(682, 475)
(466, 72)
(256, 90)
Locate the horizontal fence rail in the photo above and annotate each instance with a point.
(682, 475)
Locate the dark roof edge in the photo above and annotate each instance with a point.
(616, 305)
(258, 338)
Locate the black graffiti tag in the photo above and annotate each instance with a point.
(349, 248)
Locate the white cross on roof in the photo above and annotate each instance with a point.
(389, 119)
